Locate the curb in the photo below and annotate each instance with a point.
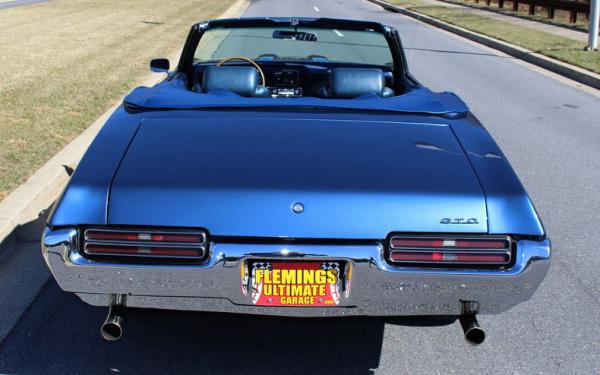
(30, 200)
(567, 70)
(21, 210)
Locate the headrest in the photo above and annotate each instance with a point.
(349, 83)
(241, 80)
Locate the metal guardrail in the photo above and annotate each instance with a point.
(572, 6)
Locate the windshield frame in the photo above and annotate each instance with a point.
(329, 46)
(399, 68)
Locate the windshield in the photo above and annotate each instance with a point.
(295, 44)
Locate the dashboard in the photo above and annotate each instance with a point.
(285, 83)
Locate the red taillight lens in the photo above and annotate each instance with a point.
(141, 236)
(416, 242)
(141, 250)
(449, 243)
(450, 250)
(145, 243)
(448, 257)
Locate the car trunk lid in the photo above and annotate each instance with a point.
(345, 178)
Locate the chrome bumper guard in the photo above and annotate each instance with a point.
(378, 288)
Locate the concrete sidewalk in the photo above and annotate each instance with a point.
(541, 26)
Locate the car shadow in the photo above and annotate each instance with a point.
(227, 343)
(59, 334)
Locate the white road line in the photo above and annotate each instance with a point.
(316, 9)
(338, 33)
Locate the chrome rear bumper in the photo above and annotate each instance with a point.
(378, 289)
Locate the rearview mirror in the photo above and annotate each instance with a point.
(295, 35)
(159, 65)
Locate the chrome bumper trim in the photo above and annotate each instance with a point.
(378, 288)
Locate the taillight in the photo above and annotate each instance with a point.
(450, 250)
(145, 243)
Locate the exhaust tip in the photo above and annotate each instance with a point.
(111, 331)
(475, 335)
(112, 328)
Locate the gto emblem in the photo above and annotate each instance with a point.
(459, 220)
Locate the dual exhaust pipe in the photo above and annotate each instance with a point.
(112, 328)
(474, 334)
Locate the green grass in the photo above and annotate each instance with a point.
(65, 62)
(561, 17)
(557, 47)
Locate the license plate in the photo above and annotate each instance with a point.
(294, 283)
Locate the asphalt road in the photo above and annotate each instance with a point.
(549, 130)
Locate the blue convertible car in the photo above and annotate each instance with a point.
(293, 166)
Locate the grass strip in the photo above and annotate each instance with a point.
(554, 46)
(66, 62)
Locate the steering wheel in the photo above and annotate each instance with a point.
(248, 60)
